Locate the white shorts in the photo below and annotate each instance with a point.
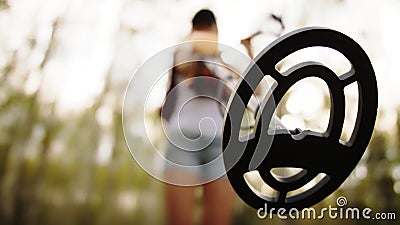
(201, 156)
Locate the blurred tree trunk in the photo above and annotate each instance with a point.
(112, 168)
(51, 130)
(6, 145)
(20, 185)
(8, 132)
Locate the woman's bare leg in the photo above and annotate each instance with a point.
(218, 203)
(180, 200)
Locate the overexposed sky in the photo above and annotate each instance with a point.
(96, 37)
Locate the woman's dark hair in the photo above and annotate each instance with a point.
(203, 19)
